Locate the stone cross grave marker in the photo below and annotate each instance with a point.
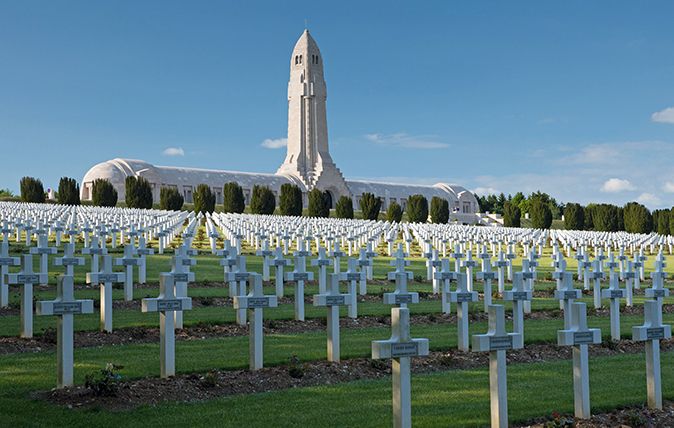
(95, 251)
(322, 261)
(332, 299)
(614, 293)
(105, 278)
(500, 264)
(143, 251)
(5, 262)
(586, 265)
(69, 260)
(435, 264)
(365, 266)
(266, 254)
(353, 276)
(128, 261)
(580, 336)
(518, 295)
(299, 276)
(651, 332)
(497, 341)
(596, 275)
(166, 304)
(279, 263)
(229, 262)
(462, 297)
(239, 278)
(445, 276)
(657, 292)
(486, 276)
(43, 250)
(567, 294)
(510, 256)
(559, 266)
(457, 255)
(64, 306)
(400, 348)
(180, 269)
(469, 265)
(255, 302)
(27, 277)
(337, 255)
(528, 276)
(400, 296)
(628, 274)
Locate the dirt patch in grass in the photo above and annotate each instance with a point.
(632, 416)
(218, 383)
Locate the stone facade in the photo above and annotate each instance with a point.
(307, 164)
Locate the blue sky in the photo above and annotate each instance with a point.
(570, 98)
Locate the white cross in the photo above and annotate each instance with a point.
(43, 250)
(337, 254)
(580, 336)
(628, 275)
(94, 251)
(462, 297)
(180, 269)
(28, 278)
(597, 275)
(365, 265)
(64, 306)
(353, 276)
(299, 276)
(228, 263)
(400, 348)
(651, 332)
(486, 275)
(5, 262)
(166, 304)
(614, 293)
(143, 252)
(266, 254)
(69, 260)
(322, 261)
(497, 341)
(500, 264)
(435, 264)
(279, 262)
(256, 301)
(567, 294)
(128, 261)
(105, 278)
(638, 266)
(332, 300)
(528, 275)
(457, 255)
(510, 255)
(560, 268)
(400, 296)
(239, 279)
(518, 295)
(445, 276)
(658, 292)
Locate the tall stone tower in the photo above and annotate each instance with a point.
(308, 157)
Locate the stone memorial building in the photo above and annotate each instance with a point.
(308, 163)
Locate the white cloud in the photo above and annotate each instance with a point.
(668, 187)
(664, 116)
(274, 143)
(173, 151)
(485, 191)
(649, 200)
(616, 185)
(406, 141)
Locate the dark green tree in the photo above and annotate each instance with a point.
(637, 218)
(290, 200)
(318, 204)
(606, 218)
(662, 225)
(232, 198)
(69, 192)
(138, 193)
(344, 207)
(370, 205)
(574, 217)
(540, 213)
(170, 199)
(204, 199)
(417, 209)
(671, 221)
(394, 213)
(511, 214)
(103, 193)
(32, 190)
(439, 210)
(589, 211)
(262, 200)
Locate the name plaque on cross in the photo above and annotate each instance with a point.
(570, 295)
(583, 338)
(334, 300)
(145, 251)
(528, 275)
(7, 261)
(488, 275)
(463, 297)
(323, 262)
(180, 277)
(520, 295)
(28, 278)
(301, 276)
(67, 308)
(258, 302)
(43, 251)
(104, 277)
(655, 333)
(500, 343)
(444, 276)
(404, 298)
(404, 349)
(656, 292)
(615, 294)
(72, 261)
(169, 305)
(128, 262)
(241, 276)
(187, 262)
(353, 276)
(362, 263)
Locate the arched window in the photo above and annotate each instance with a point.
(300, 59)
(296, 59)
